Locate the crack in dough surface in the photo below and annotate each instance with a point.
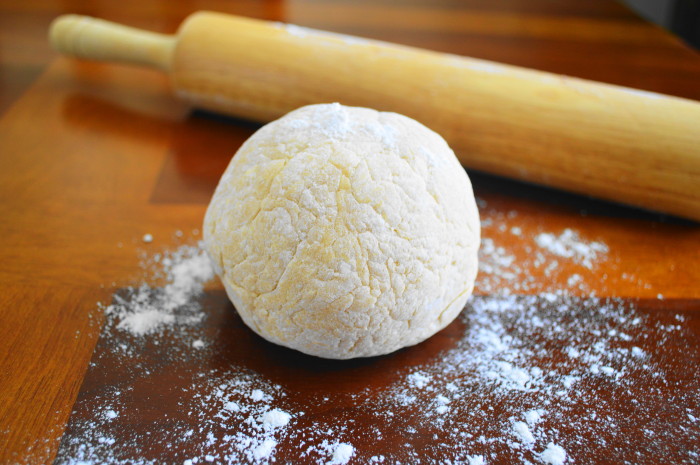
(345, 232)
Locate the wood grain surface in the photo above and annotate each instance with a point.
(153, 392)
(93, 156)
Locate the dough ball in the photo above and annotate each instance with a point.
(344, 232)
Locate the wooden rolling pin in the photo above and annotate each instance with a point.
(606, 141)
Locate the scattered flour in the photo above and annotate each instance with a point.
(532, 417)
(497, 395)
(264, 450)
(515, 260)
(522, 432)
(275, 418)
(342, 453)
(147, 310)
(570, 245)
(145, 320)
(418, 379)
(553, 455)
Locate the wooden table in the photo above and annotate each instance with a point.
(94, 156)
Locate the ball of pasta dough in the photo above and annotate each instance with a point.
(344, 232)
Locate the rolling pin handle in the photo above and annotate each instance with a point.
(96, 39)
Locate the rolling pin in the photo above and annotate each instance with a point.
(615, 143)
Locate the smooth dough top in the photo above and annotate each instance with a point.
(344, 232)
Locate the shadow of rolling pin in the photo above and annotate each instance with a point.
(610, 142)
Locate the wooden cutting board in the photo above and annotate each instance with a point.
(160, 399)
